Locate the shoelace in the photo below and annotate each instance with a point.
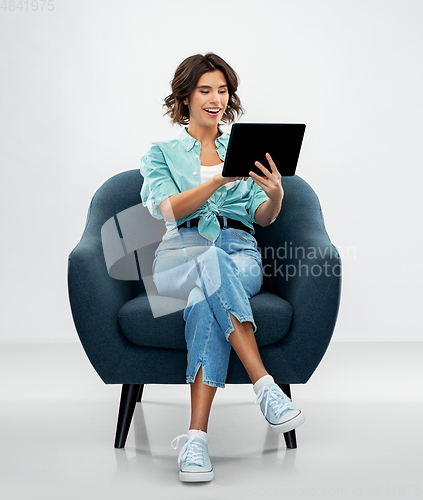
(278, 401)
(191, 452)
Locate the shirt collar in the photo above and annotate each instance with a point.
(188, 142)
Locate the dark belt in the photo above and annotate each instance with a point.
(235, 224)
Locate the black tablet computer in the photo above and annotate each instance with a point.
(249, 142)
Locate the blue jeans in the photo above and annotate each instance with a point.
(217, 279)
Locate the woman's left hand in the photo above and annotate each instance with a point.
(271, 181)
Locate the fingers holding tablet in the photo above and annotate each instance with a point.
(270, 182)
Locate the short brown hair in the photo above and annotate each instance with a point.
(185, 80)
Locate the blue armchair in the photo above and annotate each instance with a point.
(118, 315)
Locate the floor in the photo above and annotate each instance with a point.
(362, 438)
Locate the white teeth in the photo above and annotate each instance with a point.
(212, 110)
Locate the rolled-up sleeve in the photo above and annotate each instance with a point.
(158, 181)
(257, 197)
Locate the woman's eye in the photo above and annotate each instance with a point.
(204, 91)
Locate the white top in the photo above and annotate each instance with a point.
(206, 173)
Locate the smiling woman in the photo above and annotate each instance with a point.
(209, 255)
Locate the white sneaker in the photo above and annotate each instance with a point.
(278, 409)
(194, 460)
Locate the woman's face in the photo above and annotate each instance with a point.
(208, 100)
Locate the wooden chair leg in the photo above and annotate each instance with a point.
(290, 437)
(128, 401)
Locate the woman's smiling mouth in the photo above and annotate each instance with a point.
(212, 111)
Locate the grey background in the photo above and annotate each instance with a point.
(81, 89)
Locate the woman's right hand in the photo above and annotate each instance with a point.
(225, 180)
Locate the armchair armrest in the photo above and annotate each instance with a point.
(302, 266)
(95, 300)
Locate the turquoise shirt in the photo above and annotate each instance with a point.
(174, 166)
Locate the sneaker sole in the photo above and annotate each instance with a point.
(290, 425)
(195, 477)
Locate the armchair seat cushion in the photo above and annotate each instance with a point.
(272, 314)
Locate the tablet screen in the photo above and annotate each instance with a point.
(249, 142)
